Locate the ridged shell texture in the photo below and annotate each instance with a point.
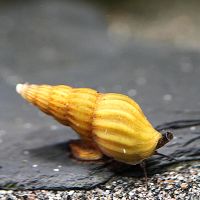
(114, 122)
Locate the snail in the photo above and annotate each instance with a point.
(108, 123)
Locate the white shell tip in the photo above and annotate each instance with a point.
(19, 88)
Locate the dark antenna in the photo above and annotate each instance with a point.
(143, 166)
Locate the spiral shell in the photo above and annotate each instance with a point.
(114, 122)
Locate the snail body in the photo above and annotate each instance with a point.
(108, 124)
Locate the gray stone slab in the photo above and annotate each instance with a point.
(65, 42)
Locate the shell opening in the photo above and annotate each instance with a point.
(166, 137)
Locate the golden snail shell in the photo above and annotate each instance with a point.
(114, 122)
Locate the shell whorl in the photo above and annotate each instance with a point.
(70, 106)
(114, 121)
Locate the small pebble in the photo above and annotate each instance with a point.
(184, 186)
(71, 192)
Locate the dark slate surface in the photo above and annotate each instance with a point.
(67, 42)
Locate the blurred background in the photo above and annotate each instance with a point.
(147, 50)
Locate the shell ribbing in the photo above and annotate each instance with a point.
(114, 122)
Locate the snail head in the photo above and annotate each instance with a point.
(166, 137)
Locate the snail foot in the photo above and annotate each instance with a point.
(85, 150)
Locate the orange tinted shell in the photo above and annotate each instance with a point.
(114, 122)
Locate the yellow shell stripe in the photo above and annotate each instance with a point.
(121, 131)
(114, 122)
